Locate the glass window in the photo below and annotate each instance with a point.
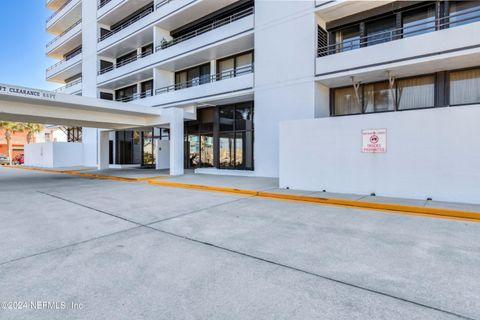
(379, 97)
(193, 148)
(347, 101)
(227, 118)
(226, 68)
(244, 63)
(205, 116)
(347, 39)
(206, 151)
(419, 21)
(382, 30)
(415, 93)
(226, 152)
(463, 12)
(244, 117)
(465, 87)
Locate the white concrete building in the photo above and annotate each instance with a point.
(284, 89)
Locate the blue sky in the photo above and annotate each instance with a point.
(22, 50)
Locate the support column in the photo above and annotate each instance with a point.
(176, 141)
(103, 150)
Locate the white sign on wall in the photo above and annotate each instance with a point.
(374, 141)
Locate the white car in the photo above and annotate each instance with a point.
(4, 159)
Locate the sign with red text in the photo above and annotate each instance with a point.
(374, 141)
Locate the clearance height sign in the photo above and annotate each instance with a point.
(374, 141)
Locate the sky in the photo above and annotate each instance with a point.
(22, 47)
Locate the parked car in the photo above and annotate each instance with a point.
(18, 159)
(4, 159)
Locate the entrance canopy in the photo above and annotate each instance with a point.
(22, 104)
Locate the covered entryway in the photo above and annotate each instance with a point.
(32, 105)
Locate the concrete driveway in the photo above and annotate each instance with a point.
(79, 248)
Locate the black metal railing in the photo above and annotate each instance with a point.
(214, 25)
(64, 32)
(59, 9)
(73, 55)
(162, 3)
(126, 24)
(68, 85)
(135, 96)
(102, 3)
(207, 79)
(125, 62)
(453, 20)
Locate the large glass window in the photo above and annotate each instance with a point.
(463, 12)
(404, 94)
(126, 94)
(416, 93)
(379, 97)
(465, 87)
(347, 39)
(229, 143)
(382, 30)
(235, 66)
(348, 101)
(127, 147)
(419, 21)
(192, 76)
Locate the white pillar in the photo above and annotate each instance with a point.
(176, 141)
(103, 150)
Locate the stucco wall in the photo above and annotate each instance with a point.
(430, 153)
(54, 154)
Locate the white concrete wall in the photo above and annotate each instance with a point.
(54, 154)
(285, 33)
(430, 153)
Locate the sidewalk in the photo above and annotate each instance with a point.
(268, 188)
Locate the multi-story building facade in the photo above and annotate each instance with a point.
(238, 69)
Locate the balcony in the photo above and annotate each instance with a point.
(125, 25)
(136, 96)
(216, 24)
(140, 32)
(223, 85)
(330, 10)
(423, 48)
(68, 40)
(207, 44)
(55, 4)
(73, 87)
(65, 68)
(111, 11)
(69, 13)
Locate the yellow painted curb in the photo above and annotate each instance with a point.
(204, 187)
(365, 205)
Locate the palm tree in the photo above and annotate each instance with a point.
(31, 129)
(10, 128)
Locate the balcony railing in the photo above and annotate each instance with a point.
(135, 96)
(102, 3)
(212, 26)
(126, 24)
(453, 20)
(207, 79)
(64, 60)
(68, 85)
(64, 32)
(125, 62)
(162, 3)
(59, 9)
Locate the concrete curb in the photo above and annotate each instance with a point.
(355, 204)
(365, 205)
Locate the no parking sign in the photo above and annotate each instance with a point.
(374, 141)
